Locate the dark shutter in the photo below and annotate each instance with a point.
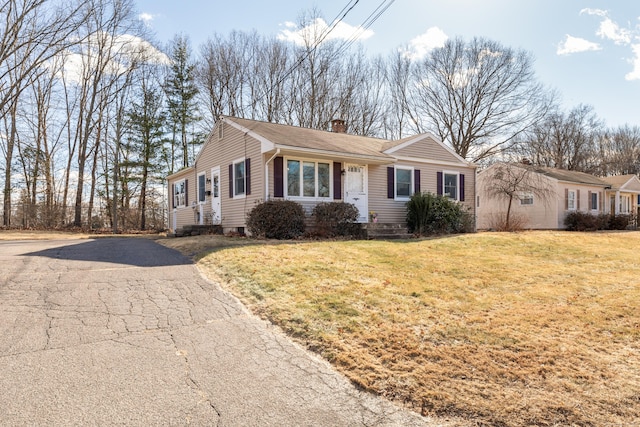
(416, 181)
(173, 195)
(439, 183)
(391, 183)
(337, 181)
(566, 199)
(589, 201)
(462, 187)
(578, 197)
(231, 181)
(247, 176)
(186, 192)
(278, 177)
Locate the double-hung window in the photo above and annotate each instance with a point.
(201, 187)
(179, 191)
(239, 178)
(450, 185)
(571, 200)
(308, 178)
(404, 182)
(594, 201)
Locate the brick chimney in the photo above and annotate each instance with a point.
(338, 126)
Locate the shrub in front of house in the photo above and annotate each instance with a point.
(583, 221)
(336, 219)
(619, 222)
(432, 214)
(276, 219)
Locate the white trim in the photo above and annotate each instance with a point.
(422, 137)
(201, 202)
(437, 162)
(334, 155)
(184, 194)
(569, 200)
(444, 192)
(395, 182)
(301, 197)
(266, 145)
(233, 169)
(216, 214)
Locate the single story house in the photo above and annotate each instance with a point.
(623, 194)
(562, 191)
(244, 162)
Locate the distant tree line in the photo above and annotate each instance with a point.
(94, 113)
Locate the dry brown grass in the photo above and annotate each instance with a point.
(535, 328)
(40, 235)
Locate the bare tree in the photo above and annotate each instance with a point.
(512, 182)
(565, 141)
(478, 96)
(619, 151)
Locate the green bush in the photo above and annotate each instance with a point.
(276, 219)
(336, 219)
(431, 214)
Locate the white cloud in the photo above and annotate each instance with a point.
(147, 18)
(420, 46)
(596, 12)
(576, 45)
(612, 31)
(635, 74)
(318, 29)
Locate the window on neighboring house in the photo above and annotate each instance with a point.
(239, 178)
(450, 185)
(404, 182)
(201, 187)
(571, 200)
(526, 199)
(594, 202)
(625, 204)
(308, 178)
(179, 193)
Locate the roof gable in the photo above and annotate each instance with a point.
(624, 182)
(425, 145)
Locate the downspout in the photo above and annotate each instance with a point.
(266, 174)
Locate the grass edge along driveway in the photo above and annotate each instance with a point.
(534, 328)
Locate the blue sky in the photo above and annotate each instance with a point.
(589, 51)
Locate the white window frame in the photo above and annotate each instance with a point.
(179, 197)
(625, 204)
(237, 195)
(444, 191)
(204, 188)
(591, 207)
(301, 196)
(412, 186)
(526, 199)
(571, 200)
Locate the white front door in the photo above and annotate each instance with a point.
(355, 189)
(216, 206)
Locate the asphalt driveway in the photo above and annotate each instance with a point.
(125, 331)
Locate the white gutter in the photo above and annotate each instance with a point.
(266, 174)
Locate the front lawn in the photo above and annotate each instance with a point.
(536, 328)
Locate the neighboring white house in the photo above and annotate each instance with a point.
(624, 194)
(569, 191)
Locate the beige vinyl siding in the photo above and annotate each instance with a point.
(394, 211)
(542, 214)
(221, 153)
(581, 203)
(184, 215)
(233, 146)
(427, 148)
